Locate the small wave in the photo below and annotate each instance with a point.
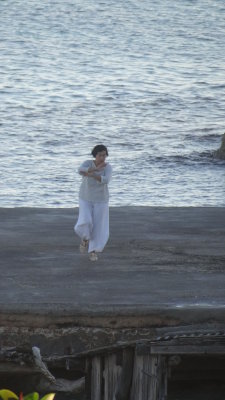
(220, 86)
(193, 158)
(206, 129)
(209, 136)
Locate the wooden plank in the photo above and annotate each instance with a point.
(136, 389)
(88, 367)
(188, 349)
(180, 347)
(143, 385)
(111, 376)
(96, 378)
(163, 378)
(150, 368)
(125, 380)
(149, 378)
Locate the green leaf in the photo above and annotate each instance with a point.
(7, 394)
(31, 396)
(49, 396)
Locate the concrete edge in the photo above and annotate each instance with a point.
(120, 316)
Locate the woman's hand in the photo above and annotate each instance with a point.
(91, 175)
(100, 166)
(83, 173)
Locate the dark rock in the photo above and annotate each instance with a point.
(220, 153)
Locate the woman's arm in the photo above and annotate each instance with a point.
(98, 168)
(108, 175)
(85, 168)
(103, 179)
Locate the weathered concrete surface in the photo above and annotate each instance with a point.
(162, 266)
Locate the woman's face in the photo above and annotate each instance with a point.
(100, 157)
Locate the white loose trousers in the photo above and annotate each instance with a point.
(93, 224)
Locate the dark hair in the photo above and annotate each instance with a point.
(97, 149)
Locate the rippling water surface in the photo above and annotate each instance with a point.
(145, 78)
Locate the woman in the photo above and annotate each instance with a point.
(93, 221)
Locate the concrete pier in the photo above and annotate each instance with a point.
(156, 291)
(161, 267)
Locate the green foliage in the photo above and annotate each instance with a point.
(49, 396)
(8, 395)
(31, 396)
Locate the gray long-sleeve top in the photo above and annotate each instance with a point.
(91, 189)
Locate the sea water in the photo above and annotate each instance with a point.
(145, 78)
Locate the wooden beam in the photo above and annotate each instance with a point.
(88, 368)
(162, 373)
(144, 378)
(149, 377)
(112, 372)
(96, 378)
(170, 348)
(125, 380)
(191, 350)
